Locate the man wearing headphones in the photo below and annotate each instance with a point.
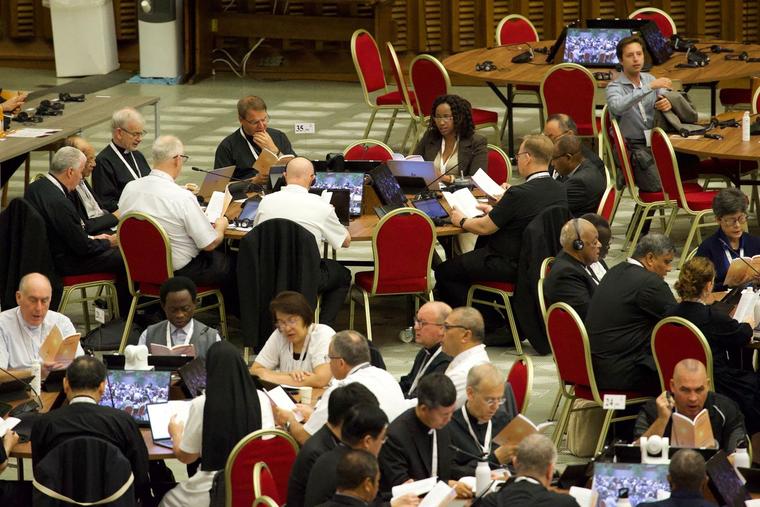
(571, 280)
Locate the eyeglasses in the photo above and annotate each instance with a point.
(423, 323)
(184, 158)
(568, 155)
(330, 358)
(741, 219)
(445, 117)
(494, 401)
(262, 121)
(289, 322)
(447, 326)
(517, 155)
(141, 133)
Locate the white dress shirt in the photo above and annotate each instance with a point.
(91, 205)
(379, 382)
(20, 342)
(460, 366)
(175, 208)
(277, 353)
(294, 202)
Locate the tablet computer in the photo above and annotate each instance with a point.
(593, 47)
(159, 415)
(431, 207)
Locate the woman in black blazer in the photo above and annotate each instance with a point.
(450, 140)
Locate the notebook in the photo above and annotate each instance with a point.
(159, 415)
(216, 181)
(593, 47)
(643, 482)
(132, 391)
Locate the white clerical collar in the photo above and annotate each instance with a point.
(631, 260)
(57, 183)
(535, 176)
(295, 188)
(161, 174)
(82, 399)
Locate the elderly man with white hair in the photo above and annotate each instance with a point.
(73, 251)
(120, 162)
(193, 239)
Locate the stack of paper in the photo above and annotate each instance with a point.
(218, 204)
(485, 183)
(464, 201)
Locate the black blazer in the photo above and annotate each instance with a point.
(626, 306)
(472, 153)
(527, 494)
(110, 176)
(570, 283)
(585, 188)
(94, 226)
(235, 150)
(460, 436)
(438, 365)
(319, 444)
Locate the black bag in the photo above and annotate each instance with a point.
(108, 336)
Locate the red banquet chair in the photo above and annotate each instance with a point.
(607, 204)
(431, 80)
(675, 339)
(572, 354)
(81, 283)
(408, 98)
(661, 18)
(397, 270)
(368, 149)
(520, 377)
(503, 291)
(696, 202)
(369, 68)
(147, 256)
(499, 166)
(569, 88)
(517, 29)
(276, 450)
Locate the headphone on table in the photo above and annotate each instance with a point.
(578, 243)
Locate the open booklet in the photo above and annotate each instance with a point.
(218, 204)
(437, 493)
(464, 201)
(584, 496)
(745, 310)
(401, 156)
(177, 350)
(485, 183)
(741, 270)
(57, 349)
(688, 433)
(517, 429)
(267, 159)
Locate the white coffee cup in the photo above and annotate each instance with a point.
(305, 393)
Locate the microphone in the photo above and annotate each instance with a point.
(429, 193)
(231, 178)
(471, 455)
(28, 387)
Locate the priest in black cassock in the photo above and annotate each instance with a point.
(418, 441)
(96, 219)
(120, 162)
(243, 147)
(479, 421)
(428, 332)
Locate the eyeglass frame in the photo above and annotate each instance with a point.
(741, 220)
(140, 134)
(263, 121)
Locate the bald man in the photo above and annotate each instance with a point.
(689, 394)
(428, 332)
(571, 279)
(294, 202)
(96, 219)
(24, 328)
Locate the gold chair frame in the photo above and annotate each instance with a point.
(700, 338)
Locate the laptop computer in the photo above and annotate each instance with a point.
(413, 175)
(160, 363)
(593, 47)
(132, 391)
(338, 164)
(193, 376)
(725, 484)
(658, 46)
(386, 187)
(159, 415)
(630, 24)
(351, 181)
(643, 482)
(215, 181)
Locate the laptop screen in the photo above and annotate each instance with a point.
(643, 482)
(430, 207)
(593, 47)
(724, 482)
(353, 182)
(386, 186)
(132, 390)
(193, 374)
(659, 47)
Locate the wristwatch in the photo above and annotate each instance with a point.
(461, 222)
(287, 426)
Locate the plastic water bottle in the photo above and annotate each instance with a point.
(741, 459)
(482, 477)
(36, 382)
(745, 127)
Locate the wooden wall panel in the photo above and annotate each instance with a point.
(125, 14)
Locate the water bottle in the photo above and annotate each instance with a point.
(745, 127)
(482, 477)
(622, 499)
(37, 380)
(741, 459)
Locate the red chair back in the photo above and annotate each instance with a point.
(567, 337)
(403, 269)
(570, 89)
(367, 149)
(429, 80)
(278, 452)
(515, 29)
(145, 250)
(675, 339)
(367, 60)
(667, 167)
(520, 377)
(499, 167)
(607, 204)
(264, 484)
(661, 18)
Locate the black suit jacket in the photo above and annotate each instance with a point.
(317, 445)
(322, 478)
(235, 150)
(87, 419)
(98, 225)
(110, 176)
(438, 365)
(472, 153)
(585, 188)
(626, 306)
(527, 494)
(460, 436)
(570, 283)
(67, 238)
(407, 453)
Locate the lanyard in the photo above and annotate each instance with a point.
(250, 146)
(57, 183)
(486, 446)
(727, 251)
(299, 365)
(528, 479)
(443, 148)
(132, 170)
(434, 463)
(188, 334)
(423, 369)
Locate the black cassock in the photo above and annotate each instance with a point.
(111, 174)
(236, 149)
(438, 364)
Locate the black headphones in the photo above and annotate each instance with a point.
(24, 117)
(577, 242)
(67, 97)
(741, 56)
(486, 66)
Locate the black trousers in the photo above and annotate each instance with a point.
(109, 261)
(334, 283)
(214, 268)
(454, 276)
